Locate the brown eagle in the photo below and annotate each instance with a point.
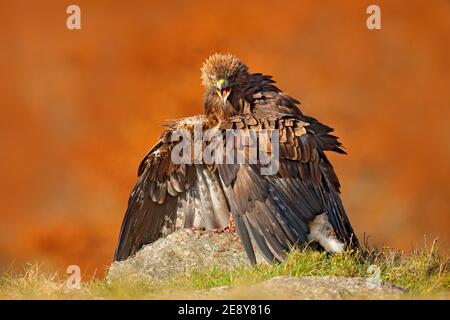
(298, 203)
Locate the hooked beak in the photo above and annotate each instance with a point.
(223, 89)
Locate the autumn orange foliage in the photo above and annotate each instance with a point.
(79, 109)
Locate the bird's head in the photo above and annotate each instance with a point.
(221, 74)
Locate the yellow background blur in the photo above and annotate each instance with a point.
(79, 109)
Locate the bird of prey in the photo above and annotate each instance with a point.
(297, 204)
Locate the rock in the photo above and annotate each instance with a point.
(185, 251)
(307, 288)
(182, 252)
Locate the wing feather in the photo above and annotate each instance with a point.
(271, 213)
(276, 210)
(167, 196)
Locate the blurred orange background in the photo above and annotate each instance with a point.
(79, 109)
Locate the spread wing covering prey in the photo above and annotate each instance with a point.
(297, 203)
(271, 212)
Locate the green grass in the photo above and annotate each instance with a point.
(423, 273)
(420, 272)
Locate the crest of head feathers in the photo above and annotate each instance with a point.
(221, 66)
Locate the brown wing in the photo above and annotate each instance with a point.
(168, 196)
(272, 212)
(265, 97)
